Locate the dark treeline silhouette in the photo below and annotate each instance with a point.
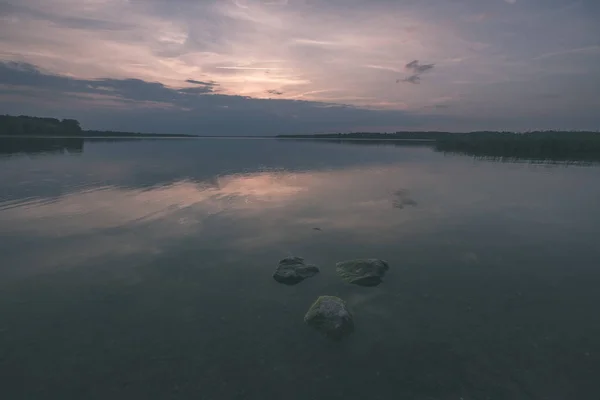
(538, 145)
(557, 146)
(577, 146)
(22, 145)
(439, 135)
(23, 125)
(36, 126)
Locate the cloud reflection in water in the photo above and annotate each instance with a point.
(276, 211)
(262, 208)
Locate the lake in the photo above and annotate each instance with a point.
(142, 269)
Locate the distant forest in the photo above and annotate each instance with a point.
(441, 135)
(543, 145)
(23, 125)
(567, 146)
(578, 146)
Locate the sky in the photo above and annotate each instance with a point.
(265, 67)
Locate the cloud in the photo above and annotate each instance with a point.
(23, 74)
(308, 50)
(138, 105)
(550, 95)
(226, 44)
(202, 83)
(579, 50)
(417, 70)
(74, 22)
(275, 92)
(415, 79)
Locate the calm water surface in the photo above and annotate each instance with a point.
(142, 270)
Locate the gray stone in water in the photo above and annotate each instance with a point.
(293, 270)
(330, 316)
(363, 272)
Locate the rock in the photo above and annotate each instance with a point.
(293, 270)
(363, 272)
(330, 316)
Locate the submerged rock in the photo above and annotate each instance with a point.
(293, 270)
(363, 272)
(330, 316)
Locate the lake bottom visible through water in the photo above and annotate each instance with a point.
(143, 270)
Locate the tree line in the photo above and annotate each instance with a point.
(24, 125)
(539, 145)
(38, 126)
(577, 146)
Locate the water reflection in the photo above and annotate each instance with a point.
(280, 209)
(15, 146)
(273, 204)
(143, 270)
(366, 142)
(565, 155)
(402, 199)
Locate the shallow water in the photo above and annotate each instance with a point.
(142, 270)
